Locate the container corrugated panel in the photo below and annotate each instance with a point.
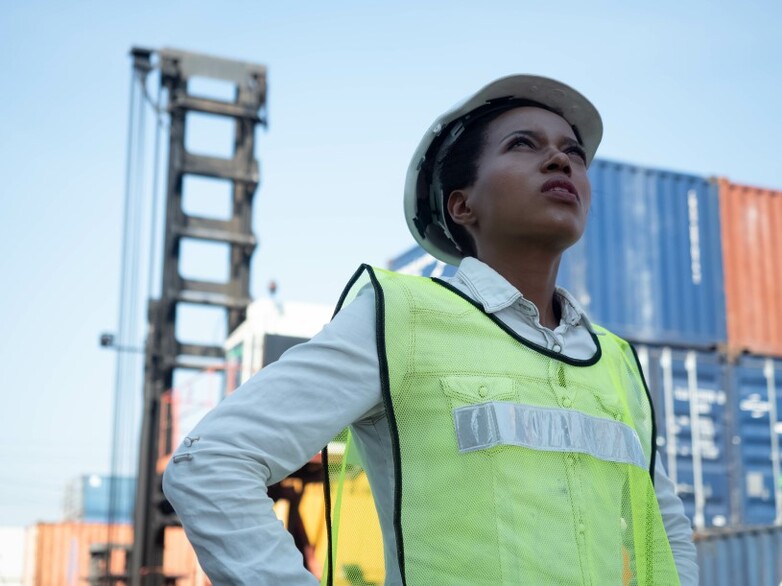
(649, 266)
(62, 551)
(693, 429)
(752, 237)
(416, 261)
(740, 557)
(179, 559)
(757, 397)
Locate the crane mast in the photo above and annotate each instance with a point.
(164, 353)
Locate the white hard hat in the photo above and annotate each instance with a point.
(424, 205)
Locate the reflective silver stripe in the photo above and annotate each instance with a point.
(549, 429)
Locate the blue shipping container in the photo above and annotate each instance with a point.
(100, 498)
(693, 429)
(649, 266)
(757, 396)
(740, 557)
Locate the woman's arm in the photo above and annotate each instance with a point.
(270, 427)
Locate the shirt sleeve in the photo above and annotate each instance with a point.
(677, 526)
(270, 427)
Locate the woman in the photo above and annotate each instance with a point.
(507, 439)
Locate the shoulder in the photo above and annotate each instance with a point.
(381, 281)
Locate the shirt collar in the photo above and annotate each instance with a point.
(495, 293)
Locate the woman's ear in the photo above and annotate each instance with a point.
(459, 208)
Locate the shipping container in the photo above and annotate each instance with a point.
(271, 328)
(58, 554)
(693, 415)
(12, 544)
(752, 240)
(740, 557)
(100, 498)
(756, 385)
(179, 559)
(649, 266)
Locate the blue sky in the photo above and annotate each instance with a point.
(352, 86)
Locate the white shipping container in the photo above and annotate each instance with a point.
(12, 545)
(246, 346)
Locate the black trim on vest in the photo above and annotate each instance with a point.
(385, 386)
(651, 409)
(531, 345)
(324, 460)
(324, 453)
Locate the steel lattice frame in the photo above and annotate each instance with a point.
(164, 353)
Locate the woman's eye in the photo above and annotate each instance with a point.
(521, 141)
(578, 152)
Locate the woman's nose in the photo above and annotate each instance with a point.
(557, 161)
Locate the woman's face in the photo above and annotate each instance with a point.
(531, 186)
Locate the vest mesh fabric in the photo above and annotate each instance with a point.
(355, 537)
(509, 514)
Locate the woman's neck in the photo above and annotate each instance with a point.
(534, 274)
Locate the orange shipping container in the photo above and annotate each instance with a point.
(58, 554)
(179, 559)
(751, 221)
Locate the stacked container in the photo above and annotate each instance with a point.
(649, 266)
(687, 269)
(752, 236)
(691, 403)
(757, 405)
(751, 226)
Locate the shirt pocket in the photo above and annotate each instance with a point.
(467, 391)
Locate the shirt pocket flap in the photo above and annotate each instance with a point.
(467, 390)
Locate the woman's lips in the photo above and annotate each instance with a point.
(560, 189)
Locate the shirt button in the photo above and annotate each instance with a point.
(557, 348)
(566, 402)
(483, 391)
(581, 528)
(571, 459)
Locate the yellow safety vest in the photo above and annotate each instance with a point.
(513, 464)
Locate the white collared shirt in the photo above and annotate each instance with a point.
(275, 422)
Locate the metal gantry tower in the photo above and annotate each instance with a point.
(164, 353)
